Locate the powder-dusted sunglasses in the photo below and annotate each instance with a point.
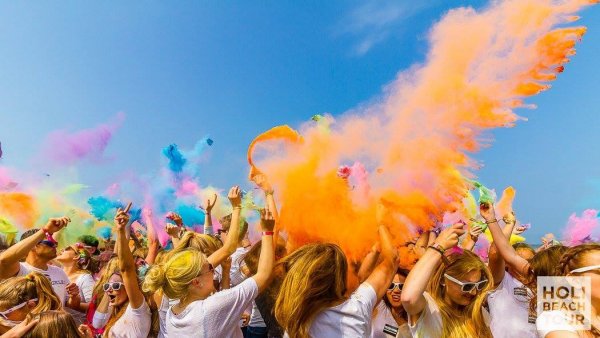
(116, 286)
(395, 285)
(468, 287)
(5, 313)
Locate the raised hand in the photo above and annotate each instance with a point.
(486, 210)
(448, 238)
(510, 218)
(475, 231)
(176, 218)
(172, 230)
(122, 217)
(263, 183)
(235, 196)
(210, 203)
(56, 224)
(267, 222)
(85, 331)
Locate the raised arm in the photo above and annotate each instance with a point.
(369, 263)
(416, 282)
(231, 243)
(208, 226)
(383, 274)
(267, 253)
(153, 244)
(505, 250)
(263, 183)
(495, 261)
(176, 230)
(422, 243)
(126, 262)
(9, 259)
(471, 238)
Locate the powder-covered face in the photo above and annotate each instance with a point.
(67, 255)
(394, 296)
(116, 297)
(454, 290)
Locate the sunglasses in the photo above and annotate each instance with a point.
(4, 313)
(586, 269)
(395, 285)
(48, 243)
(468, 287)
(115, 286)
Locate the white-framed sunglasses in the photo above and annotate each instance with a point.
(468, 287)
(4, 313)
(586, 269)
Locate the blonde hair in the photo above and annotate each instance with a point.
(225, 222)
(54, 324)
(468, 322)
(17, 290)
(543, 263)
(315, 280)
(206, 244)
(174, 276)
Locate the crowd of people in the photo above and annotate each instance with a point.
(217, 284)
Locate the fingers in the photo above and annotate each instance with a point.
(128, 207)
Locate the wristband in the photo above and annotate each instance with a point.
(270, 192)
(437, 248)
(268, 233)
(492, 221)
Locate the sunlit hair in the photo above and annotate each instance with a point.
(543, 263)
(17, 290)
(467, 321)
(577, 257)
(522, 246)
(225, 222)
(315, 280)
(192, 240)
(173, 277)
(117, 311)
(54, 324)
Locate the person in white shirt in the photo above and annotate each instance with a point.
(38, 248)
(75, 260)
(390, 315)
(216, 252)
(508, 303)
(456, 284)
(188, 276)
(131, 315)
(312, 300)
(581, 260)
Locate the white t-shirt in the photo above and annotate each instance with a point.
(237, 259)
(86, 283)
(134, 323)
(352, 318)
(58, 278)
(429, 324)
(550, 321)
(215, 316)
(383, 316)
(165, 304)
(509, 310)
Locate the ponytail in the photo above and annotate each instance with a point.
(174, 276)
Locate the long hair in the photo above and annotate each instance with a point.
(543, 263)
(206, 244)
(109, 269)
(468, 321)
(315, 280)
(117, 311)
(54, 324)
(16, 290)
(253, 255)
(401, 272)
(174, 276)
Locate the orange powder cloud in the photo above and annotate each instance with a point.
(416, 141)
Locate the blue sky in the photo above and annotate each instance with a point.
(180, 71)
